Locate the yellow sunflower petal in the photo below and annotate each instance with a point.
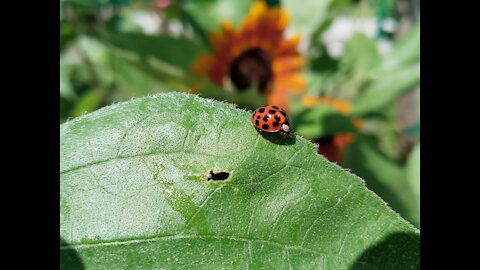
(288, 47)
(256, 11)
(287, 63)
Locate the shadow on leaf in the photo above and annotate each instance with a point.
(279, 139)
(69, 258)
(397, 251)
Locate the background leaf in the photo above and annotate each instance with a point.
(391, 183)
(178, 52)
(133, 192)
(209, 13)
(406, 52)
(321, 121)
(88, 102)
(302, 20)
(386, 89)
(413, 177)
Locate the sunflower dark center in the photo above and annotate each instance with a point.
(251, 67)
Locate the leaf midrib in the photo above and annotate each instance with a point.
(196, 236)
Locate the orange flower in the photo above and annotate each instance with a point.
(257, 53)
(332, 147)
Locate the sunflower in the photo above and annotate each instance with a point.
(333, 147)
(256, 54)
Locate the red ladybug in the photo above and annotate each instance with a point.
(271, 119)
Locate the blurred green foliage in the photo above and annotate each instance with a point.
(114, 50)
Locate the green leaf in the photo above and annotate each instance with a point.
(177, 52)
(386, 89)
(413, 177)
(95, 59)
(250, 98)
(211, 90)
(302, 20)
(209, 13)
(320, 121)
(361, 55)
(134, 194)
(132, 79)
(88, 102)
(382, 174)
(406, 52)
(66, 87)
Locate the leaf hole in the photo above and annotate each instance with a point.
(220, 176)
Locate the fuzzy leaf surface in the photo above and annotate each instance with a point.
(134, 196)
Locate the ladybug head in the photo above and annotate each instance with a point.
(285, 129)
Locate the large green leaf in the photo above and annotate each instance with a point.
(134, 194)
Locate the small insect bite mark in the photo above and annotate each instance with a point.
(221, 176)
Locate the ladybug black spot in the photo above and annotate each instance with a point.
(257, 123)
(266, 117)
(277, 118)
(265, 126)
(261, 110)
(283, 113)
(275, 124)
(275, 107)
(258, 116)
(272, 111)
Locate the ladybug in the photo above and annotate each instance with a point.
(271, 119)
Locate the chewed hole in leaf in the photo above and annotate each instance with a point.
(220, 176)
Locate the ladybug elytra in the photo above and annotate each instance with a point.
(271, 119)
